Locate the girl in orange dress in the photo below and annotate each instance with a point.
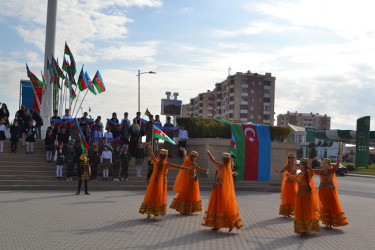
(188, 198)
(155, 200)
(330, 211)
(222, 210)
(288, 187)
(306, 217)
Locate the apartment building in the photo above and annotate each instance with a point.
(241, 97)
(306, 120)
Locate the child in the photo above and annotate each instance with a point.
(2, 135)
(14, 135)
(106, 161)
(30, 137)
(94, 160)
(49, 142)
(139, 157)
(116, 158)
(125, 159)
(59, 158)
(69, 157)
(63, 136)
(83, 173)
(108, 134)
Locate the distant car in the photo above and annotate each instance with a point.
(341, 170)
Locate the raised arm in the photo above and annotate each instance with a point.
(175, 166)
(184, 152)
(339, 158)
(212, 159)
(282, 170)
(199, 169)
(153, 157)
(291, 176)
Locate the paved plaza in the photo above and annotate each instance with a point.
(110, 220)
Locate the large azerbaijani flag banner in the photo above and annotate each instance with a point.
(158, 134)
(251, 145)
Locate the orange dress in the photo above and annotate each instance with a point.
(288, 193)
(155, 200)
(222, 210)
(306, 217)
(188, 197)
(330, 210)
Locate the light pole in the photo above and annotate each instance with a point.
(139, 86)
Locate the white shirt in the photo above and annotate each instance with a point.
(107, 155)
(182, 135)
(3, 128)
(66, 117)
(108, 135)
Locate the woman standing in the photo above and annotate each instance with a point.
(188, 198)
(222, 210)
(155, 200)
(330, 210)
(306, 203)
(288, 187)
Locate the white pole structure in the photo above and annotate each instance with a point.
(139, 86)
(48, 51)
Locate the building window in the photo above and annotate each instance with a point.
(252, 91)
(260, 99)
(258, 116)
(243, 99)
(243, 115)
(244, 90)
(252, 83)
(259, 107)
(251, 107)
(260, 91)
(231, 107)
(260, 83)
(252, 99)
(251, 117)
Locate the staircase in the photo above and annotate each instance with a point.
(23, 171)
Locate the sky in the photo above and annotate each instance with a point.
(321, 52)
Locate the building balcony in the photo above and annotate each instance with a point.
(267, 87)
(231, 94)
(244, 111)
(244, 85)
(266, 121)
(265, 112)
(210, 108)
(267, 95)
(267, 104)
(231, 103)
(244, 103)
(243, 119)
(244, 94)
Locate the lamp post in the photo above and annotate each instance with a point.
(139, 86)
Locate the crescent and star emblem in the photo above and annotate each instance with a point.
(251, 137)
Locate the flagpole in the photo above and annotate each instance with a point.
(82, 101)
(76, 102)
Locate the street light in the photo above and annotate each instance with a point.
(139, 86)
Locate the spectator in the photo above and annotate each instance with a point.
(139, 157)
(94, 159)
(82, 121)
(49, 141)
(38, 122)
(125, 159)
(149, 129)
(182, 139)
(135, 135)
(59, 158)
(4, 114)
(116, 162)
(126, 119)
(55, 114)
(67, 115)
(25, 125)
(14, 135)
(30, 137)
(106, 161)
(63, 136)
(108, 134)
(125, 134)
(2, 134)
(168, 146)
(117, 132)
(70, 155)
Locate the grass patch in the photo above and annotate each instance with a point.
(369, 170)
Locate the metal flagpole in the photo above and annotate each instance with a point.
(82, 101)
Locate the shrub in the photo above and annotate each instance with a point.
(350, 167)
(210, 128)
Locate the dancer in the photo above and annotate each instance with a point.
(155, 200)
(288, 187)
(330, 211)
(306, 203)
(188, 198)
(222, 210)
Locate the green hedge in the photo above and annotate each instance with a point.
(210, 128)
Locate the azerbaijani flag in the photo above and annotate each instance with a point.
(35, 80)
(114, 141)
(69, 122)
(171, 131)
(98, 82)
(111, 124)
(91, 86)
(158, 134)
(82, 81)
(44, 83)
(84, 144)
(143, 123)
(72, 61)
(57, 68)
(147, 113)
(253, 154)
(233, 146)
